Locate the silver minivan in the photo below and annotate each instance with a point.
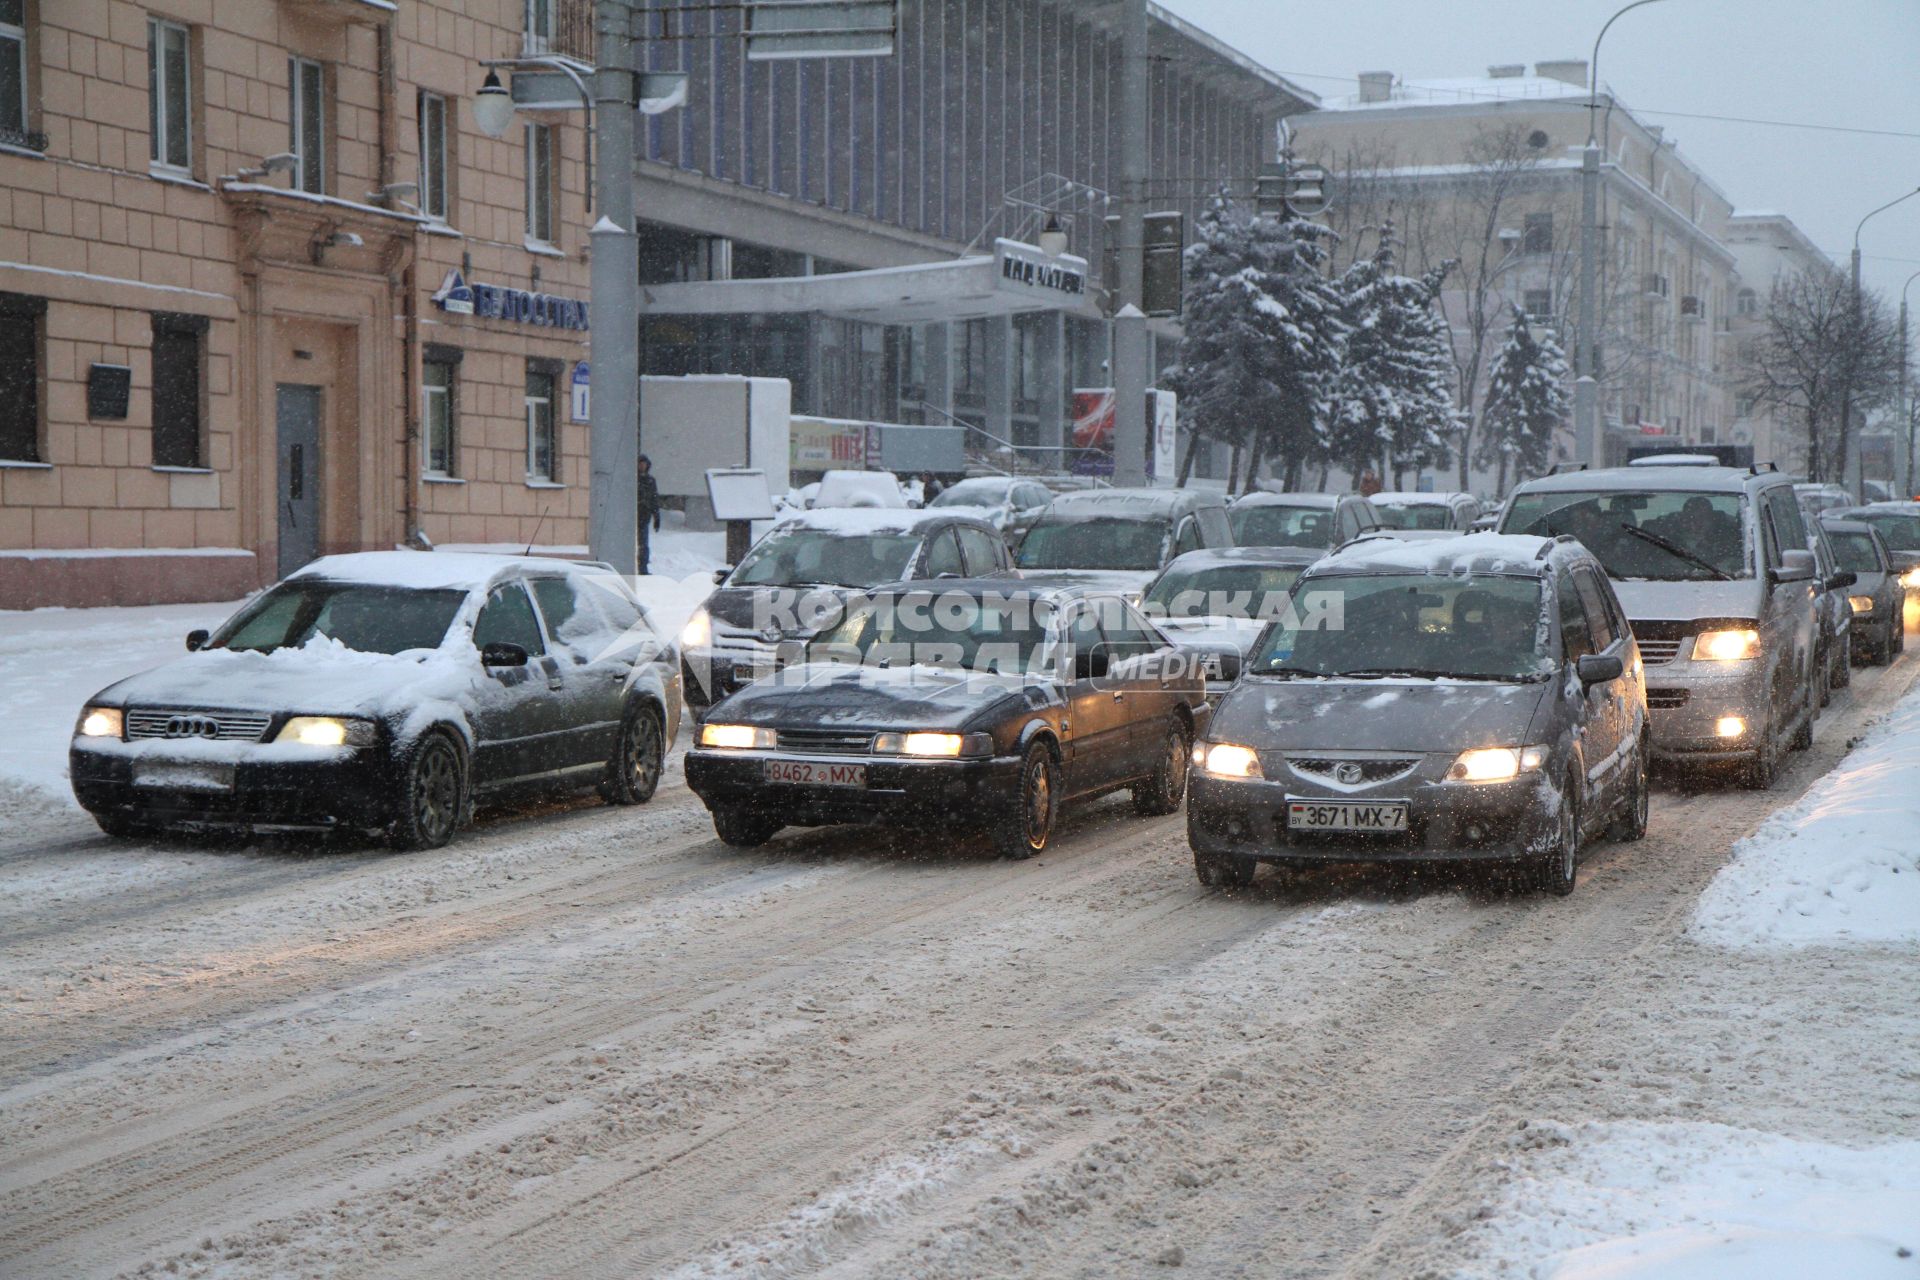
(1713, 568)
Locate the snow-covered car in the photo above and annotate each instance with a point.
(1012, 503)
(981, 704)
(1320, 520)
(1118, 539)
(1217, 601)
(1410, 510)
(384, 691)
(1473, 700)
(791, 582)
(1876, 597)
(860, 489)
(1831, 587)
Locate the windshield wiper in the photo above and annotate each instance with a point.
(1418, 673)
(1677, 551)
(1289, 671)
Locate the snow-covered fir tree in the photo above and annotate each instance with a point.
(1393, 405)
(1262, 337)
(1527, 401)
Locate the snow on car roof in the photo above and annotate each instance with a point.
(1478, 552)
(1267, 498)
(867, 520)
(1405, 498)
(1286, 556)
(1092, 503)
(422, 570)
(1629, 479)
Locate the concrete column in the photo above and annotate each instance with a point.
(1001, 372)
(938, 340)
(1050, 350)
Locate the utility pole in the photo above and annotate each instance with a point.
(1909, 420)
(614, 309)
(1849, 449)
(1130, 344)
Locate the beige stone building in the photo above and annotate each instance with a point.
(265, 293)
(1486, 170)
(1769, 248)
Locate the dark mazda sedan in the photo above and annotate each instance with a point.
(1477, 699)
(978, 703)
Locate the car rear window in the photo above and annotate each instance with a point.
(1896, 528)
(806, 557)
(1221, 591)
(1856, 552)
(1278, 526)
(1421, 516)
(1103, 543)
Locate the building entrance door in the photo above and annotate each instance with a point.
(297, 412)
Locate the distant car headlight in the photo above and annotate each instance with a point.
(933, 744)
(1496, 764)
(1227, 760)
(738, 737)
(101, 722)
(698, 633)
(326, 731)
(1861, 604)
(1726, 646)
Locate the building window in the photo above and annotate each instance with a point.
(1749, 302)
(169, 97)
(539, 29)
(1539, 234)
(1539, 304)
(15, 69)
(437, 383)
(540, 183)
(307, 124)
(433, 156)
(21, 331)
(543, 454)
(178, 343)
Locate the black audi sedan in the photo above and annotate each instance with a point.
(982, 703)
(383, 691)
(1478, 699)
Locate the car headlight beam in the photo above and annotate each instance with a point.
(1727, 646)
(101, 722)
(326, 731)
(935, 745)
(1861, 604)
(1496, 764)
(698, 633)
(1227, 760)
(736, 737)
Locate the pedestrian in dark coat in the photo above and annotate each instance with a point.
(648, 509)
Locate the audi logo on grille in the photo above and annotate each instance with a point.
(192, 727)
(1347, 773)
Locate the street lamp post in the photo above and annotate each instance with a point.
(1130, 339)
(1586, 387)
(1850, 455)
(1907, 414)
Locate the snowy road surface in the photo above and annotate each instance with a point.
(595, 1042)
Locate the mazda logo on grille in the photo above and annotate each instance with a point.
(1347, 773)
(192, 727)
(771, 635)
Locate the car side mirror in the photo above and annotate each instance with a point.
(1090, 664)
(1598, 668)
(502, 654)
(1224, 665)
(1795, 566)
(1842, 580)
(197, 639)
(720, 575)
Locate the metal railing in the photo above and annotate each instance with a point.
(568, 33)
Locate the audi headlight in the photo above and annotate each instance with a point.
(326, 731)
(1861, 604)
(698, 633)
(1496, 764)
(101, 722)
(1727, 646)
(933, 744)
(1227, 760)
(738, 737)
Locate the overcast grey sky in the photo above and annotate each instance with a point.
(1853, 63)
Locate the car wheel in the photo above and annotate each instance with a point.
(432, 795)
(1823, 680)
(1758, 773)
(1026, 827)
(1224, 870)
(633, 771)
(1631, 825)
(122, 826)
(1162, 793)
(1889, 645)
(1843, 665)
(1558, 869)
(743, 828)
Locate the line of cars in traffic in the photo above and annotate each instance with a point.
(1342, 679)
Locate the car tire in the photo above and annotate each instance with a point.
(1889, 646)
(639, 752)
(1843, 665)
(1224, 870)
(1163, 792)
(1631, 825)
(122, 826)
(742, 828)
(1758, 773)
(1558, 871)
(1026, 827)
(433, 795)
(1824, 681)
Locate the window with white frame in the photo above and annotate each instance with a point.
(169, 97)
(1539, 304)
(438, 372)
(13, 73)
(539, 28)
(542, 442)
(540, 167)
(307, 124)
(435, 147)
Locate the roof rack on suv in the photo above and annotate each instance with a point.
(1755, 468)
(1567, 468)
